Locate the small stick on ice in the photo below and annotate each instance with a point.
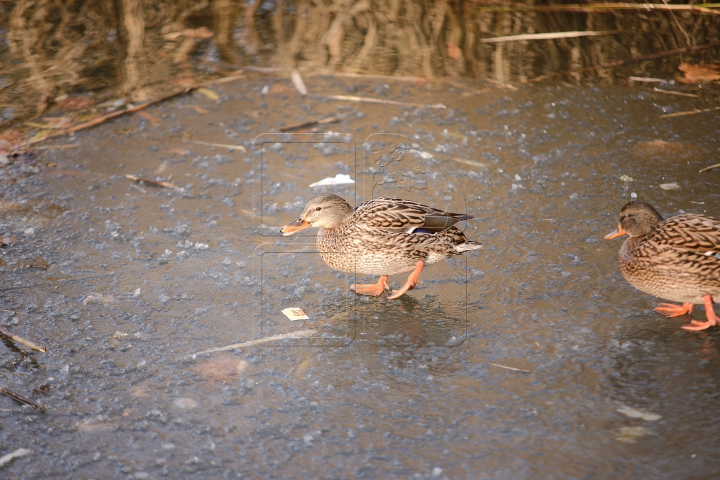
(21, 340)
(297, 82)
(20, 452)
(252, 343)
(219, 145)
(689, 112)
(510, 368)
(19, 398)
(350, 98)
(150, 181)
(648, 80)
(311, 123)
(39, 262)
(670, 92)
(710, 167)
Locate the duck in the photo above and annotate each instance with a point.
(677, 259)
(382, 237)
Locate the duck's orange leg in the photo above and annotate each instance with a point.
(709, 313)
(412, 281)
(374, 289)
(672, 310)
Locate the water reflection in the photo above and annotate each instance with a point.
(129, 48)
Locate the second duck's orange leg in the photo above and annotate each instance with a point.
(412, 281)
(672, 310)
(709, 313)
(372, 289)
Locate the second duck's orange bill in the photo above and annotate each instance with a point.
(614, 234)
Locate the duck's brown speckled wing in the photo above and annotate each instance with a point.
(687, 245)
(692, 232)
(404, 215)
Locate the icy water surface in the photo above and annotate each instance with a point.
(142, 277)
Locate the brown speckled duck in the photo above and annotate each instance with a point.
(677, 259)
(383, 236)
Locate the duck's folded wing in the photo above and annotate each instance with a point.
(682, 261)
(690, 233)
(404, 215)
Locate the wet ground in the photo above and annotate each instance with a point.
(140, 278)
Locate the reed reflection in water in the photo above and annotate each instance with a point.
(134, 48)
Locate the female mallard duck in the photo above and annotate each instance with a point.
(677, 259)
(383, 236)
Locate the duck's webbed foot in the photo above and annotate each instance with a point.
(709, 313)
(411, 283)
(373, 289)
(672, 310)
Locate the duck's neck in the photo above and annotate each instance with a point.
(628, 248)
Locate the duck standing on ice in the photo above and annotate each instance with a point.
(383, 236)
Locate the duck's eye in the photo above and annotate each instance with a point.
(317, 209)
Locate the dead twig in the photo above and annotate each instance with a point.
(597, 8)
(21, 340)
(689, 112)
(350, 98)
(19, 398)
(39, 262)
(545, 36)
(252, 343)
(710, 167)
(136, 108)
(150, 181)
(55, 147)
(219, 145)
(217, 81)
(20, 452)
(648, 79)
(627, 61)
(105, 118)
(670, 92)
(298, 82)
(510, 368)
(312, 123)
(31, 265)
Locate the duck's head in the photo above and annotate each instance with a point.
(326, 210)
(637, 219)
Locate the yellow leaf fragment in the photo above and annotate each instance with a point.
(209, 93)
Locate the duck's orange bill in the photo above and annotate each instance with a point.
(615, 233)
(295, 227)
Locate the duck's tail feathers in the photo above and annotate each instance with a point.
(467, 246)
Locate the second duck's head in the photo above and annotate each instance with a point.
(326, 210)
(637, 219)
